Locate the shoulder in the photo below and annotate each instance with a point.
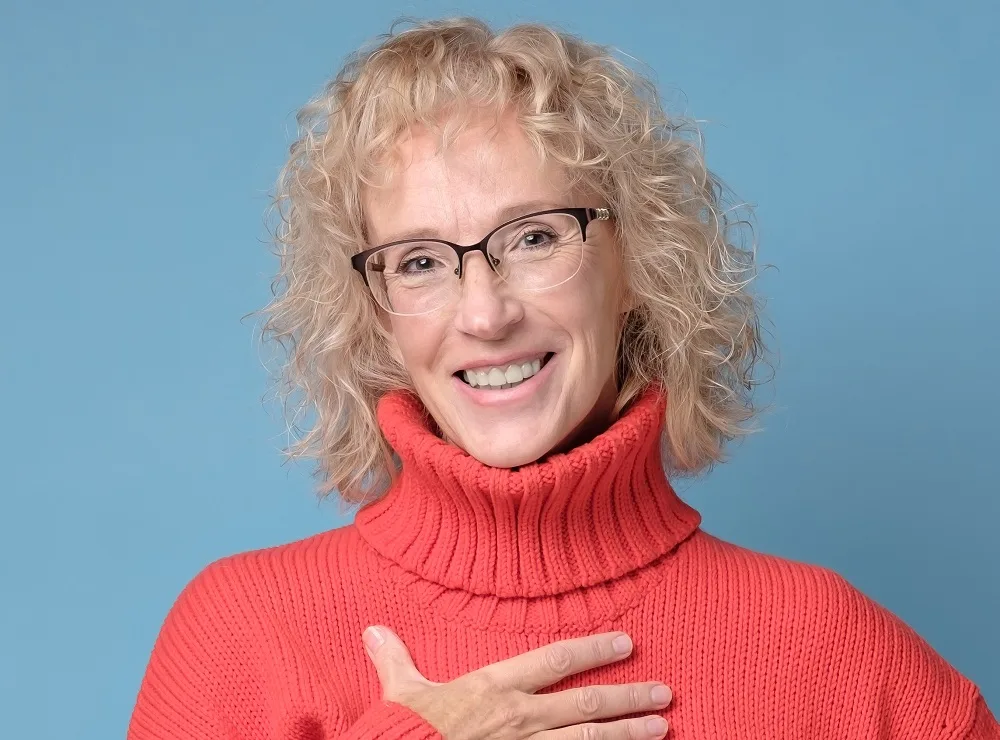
(816, 627)
(246, 628)
(253, 601)
(790, 589)
(272, 578)
(237, 611)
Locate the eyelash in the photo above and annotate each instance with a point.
(410, 260)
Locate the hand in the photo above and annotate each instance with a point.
(498, 701)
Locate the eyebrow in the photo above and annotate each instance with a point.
(502, 216)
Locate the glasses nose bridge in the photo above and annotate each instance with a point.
(481, 247)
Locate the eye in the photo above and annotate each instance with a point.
(536, 237)
(417, 263)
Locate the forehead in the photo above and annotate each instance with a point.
(461, 185)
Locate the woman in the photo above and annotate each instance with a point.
(513, 301)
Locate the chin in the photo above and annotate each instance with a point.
(503, 452)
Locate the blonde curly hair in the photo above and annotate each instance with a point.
(695, 329)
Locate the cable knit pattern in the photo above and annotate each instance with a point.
(471, 565)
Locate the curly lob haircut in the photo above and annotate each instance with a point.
(695, 329)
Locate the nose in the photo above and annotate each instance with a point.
(486, 309)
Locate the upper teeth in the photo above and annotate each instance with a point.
(499, 376)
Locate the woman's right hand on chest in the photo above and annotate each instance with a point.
(498, 701)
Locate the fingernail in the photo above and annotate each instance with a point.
(622, 644)
(660, 694)
(656, 726)
(372, 638)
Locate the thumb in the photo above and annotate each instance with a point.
(391, 659)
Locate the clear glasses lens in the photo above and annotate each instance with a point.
(538, 252)
(532, 254)
(412, 278)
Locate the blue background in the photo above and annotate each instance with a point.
(139, 142)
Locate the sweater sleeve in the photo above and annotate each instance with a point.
(984, 726)
(912, 690)
(179, 695)
(206, 679)
(391, 721)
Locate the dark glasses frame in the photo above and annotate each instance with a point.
(583, 215)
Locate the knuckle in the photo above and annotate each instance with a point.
(479, 684)
(635, 729)
(559, 658)
(401, 690)
(634, 698)
(511, 714)
(589, 701)
(590, 732)
(601, 650)
(478, 681)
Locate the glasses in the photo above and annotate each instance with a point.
(532, 253)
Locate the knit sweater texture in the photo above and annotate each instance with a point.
(470, 565)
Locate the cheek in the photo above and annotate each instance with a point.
(591, 317)
(588, 316)
(594, 305)
(417, 343)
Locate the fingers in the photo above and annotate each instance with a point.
(391, 659)
(643, 728)
(547, 665)
(576, 706)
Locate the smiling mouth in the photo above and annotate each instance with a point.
(497, 380)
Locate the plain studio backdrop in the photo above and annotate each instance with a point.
(139, 144)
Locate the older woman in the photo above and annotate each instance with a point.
(514, 304)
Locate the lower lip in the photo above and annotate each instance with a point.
(505, 395)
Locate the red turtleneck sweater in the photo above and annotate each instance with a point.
(470, 565)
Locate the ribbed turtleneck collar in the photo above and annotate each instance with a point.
(590, 515)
